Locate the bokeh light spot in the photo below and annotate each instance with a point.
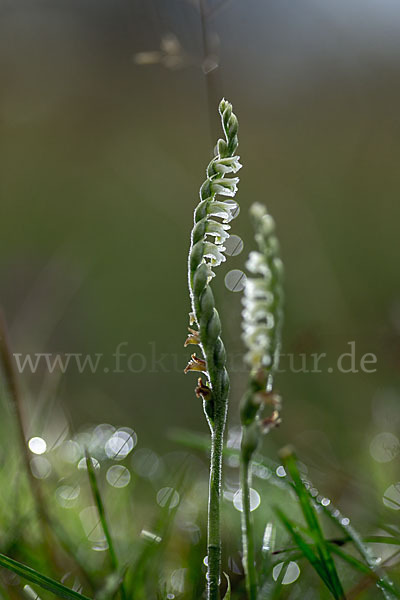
(145, 463)
(82, 463)
(40, 467)
(235, 280)
(167, 496)
(118, 476)
(67, 495)
(120, 444)
(384, 447)
(91, 524)
(178, 580)
(255, 500)
(292, 572)
(391, 498)
(37, 445)
(233, 245)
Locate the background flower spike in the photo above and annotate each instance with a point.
(262, 324)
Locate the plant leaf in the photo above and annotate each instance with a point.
(305, 548)
(43, 581)
(382, 539)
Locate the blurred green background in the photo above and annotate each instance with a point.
(107, 125)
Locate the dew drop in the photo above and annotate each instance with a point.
(150, 536)
(280, 471)
(30, 592)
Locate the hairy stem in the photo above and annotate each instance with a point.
(214, 500)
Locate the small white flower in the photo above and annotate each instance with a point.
(256, 264)
(256, 311)
(255, 288)
(267, 225)
(214, 253)
(216, 208)
(258, 357)
(262, 312)
(227, 165)
(225, 187)
(218, 230)
(258, 211)
(257, 336)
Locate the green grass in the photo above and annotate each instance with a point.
(147, 562)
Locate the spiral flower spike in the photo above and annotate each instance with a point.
(262, 319)
(262, 325)
(211, 226)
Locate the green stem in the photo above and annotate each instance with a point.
(247, 527)
(214, 502)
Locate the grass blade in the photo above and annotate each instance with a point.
(363, 568)
(228, 589)
(382, 539)
(102, 516)
(310, 516)
(42, 580)
(306, 550)
(383, 581)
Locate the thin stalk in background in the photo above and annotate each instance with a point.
(211, 218)
(249, 561)
(48, 528)
(262, 323)
(15, 396)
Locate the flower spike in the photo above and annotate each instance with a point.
(209, 234)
